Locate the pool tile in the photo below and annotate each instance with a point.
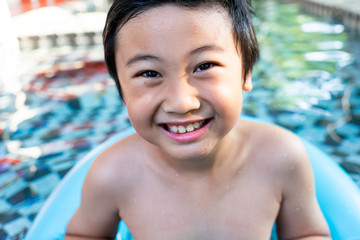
(30, 209)
(351, 145)
(17, 227)
(49, 157)
(293, 120)
(354, 158)
(331, 141)
(7, 177)
(62, 157)
(340, 153)
(63, 172)
(348, 129)
(3, 234)
(4, 206)
(355, 119)
(323, 122)
(13, 188)
(351, 167)
(8, 217)
(20, 196)
(31, 141)
(62, 166)
(45, 184)
(31, 176)
(356, 178)
(313, 134)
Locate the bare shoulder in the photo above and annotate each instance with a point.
(279, 139)
(283, 159)
(117, 164)
(284, 150)
(106, 187)
(113, 175)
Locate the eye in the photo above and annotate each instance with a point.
(149, 74)
(205, 66)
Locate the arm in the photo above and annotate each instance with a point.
(300, 216)
(97, 216)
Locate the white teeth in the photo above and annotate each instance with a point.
(182, 129)
(188, 128)
(173, 129)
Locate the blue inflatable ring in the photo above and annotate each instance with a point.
(338, 196)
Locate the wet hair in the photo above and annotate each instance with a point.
(240, 12)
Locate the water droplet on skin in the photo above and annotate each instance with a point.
(135, 200)
(227, 188)
(176, 174)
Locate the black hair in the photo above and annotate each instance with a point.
(240, 12)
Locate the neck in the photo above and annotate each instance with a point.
(222, 159)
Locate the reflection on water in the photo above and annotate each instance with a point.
(321, 27)
(340, 57)
(330, 45)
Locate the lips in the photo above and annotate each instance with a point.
(185, 132)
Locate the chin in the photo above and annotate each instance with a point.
(191, 153)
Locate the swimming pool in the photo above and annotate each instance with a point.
(307, 80)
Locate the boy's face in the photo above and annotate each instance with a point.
(181, 77)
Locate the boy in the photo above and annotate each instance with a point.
(193, 169)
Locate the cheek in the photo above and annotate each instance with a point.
(228, 103)
(228, 94)
(141, 109)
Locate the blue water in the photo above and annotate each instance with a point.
(307, 80)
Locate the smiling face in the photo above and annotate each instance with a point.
(181, 76)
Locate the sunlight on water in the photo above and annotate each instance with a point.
(321, 27)
(329, 56)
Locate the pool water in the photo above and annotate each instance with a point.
(307, 80)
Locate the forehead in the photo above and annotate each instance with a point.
(169, 18)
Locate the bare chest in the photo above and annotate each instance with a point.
(224, 212)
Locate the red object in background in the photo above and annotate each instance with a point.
(27, 5)
(11, 160)
(42, 3)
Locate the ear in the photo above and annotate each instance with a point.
(247, 86)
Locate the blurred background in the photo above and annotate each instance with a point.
(57, 100)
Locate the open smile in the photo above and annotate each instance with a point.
(185, 132)
(185, 128)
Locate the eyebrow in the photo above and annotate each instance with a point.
(207, 48)
(140, 57)
(196, 51)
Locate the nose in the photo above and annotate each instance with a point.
(181, 97)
